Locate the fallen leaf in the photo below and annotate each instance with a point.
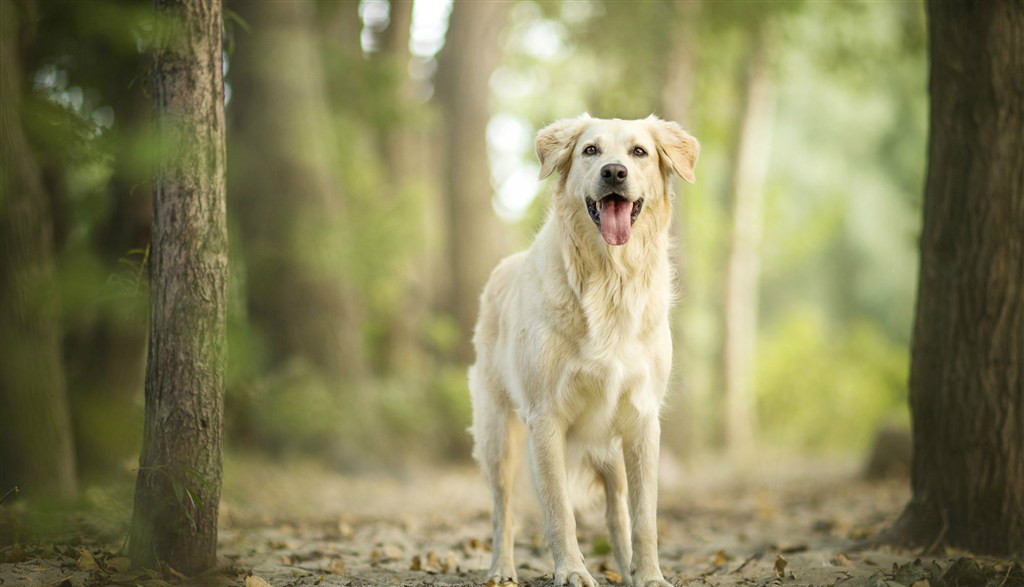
(336, 567)
(86, 561)
(15, 555)
(450, 564)
(780, 567)
(77, 580)
(876, 580)
(432, 564)
(386, 553)
(964, 571)
(910, 573)
(177, 573)
(720, 558)
(120, 564)
(841, 560)
(792, 548)
(613, 576)
(255, 581)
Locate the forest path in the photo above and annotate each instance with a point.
(778, 523)
(431, 528)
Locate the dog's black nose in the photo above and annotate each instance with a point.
(614, 173)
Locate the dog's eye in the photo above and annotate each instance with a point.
(590, 150)
(639, 152)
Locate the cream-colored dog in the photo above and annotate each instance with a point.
(573, 345)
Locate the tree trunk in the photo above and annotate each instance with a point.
(967, 363)
(35, 427)
(476, 239)
(291, 209)
(753, 151)
(406, 142)
(683, 436)
(177, 492)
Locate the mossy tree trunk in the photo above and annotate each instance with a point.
(178, 487)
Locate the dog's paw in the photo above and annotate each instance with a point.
(574, 578)
(657, 583)
(652, 582)
(651, 578)
(499, 579)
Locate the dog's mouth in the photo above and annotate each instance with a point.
(614, 216)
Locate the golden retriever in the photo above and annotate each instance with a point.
(573, 348)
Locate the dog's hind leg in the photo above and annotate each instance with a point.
(613, 476)
(497, 438)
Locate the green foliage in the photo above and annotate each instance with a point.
(827, 389)
(295, 411)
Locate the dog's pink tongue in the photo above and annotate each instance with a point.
(615, 225)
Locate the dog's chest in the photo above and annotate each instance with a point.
(612, 376)
(599, 395)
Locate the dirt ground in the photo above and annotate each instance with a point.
(777, 523)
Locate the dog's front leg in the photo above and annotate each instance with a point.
(547, 454)
(640, 450)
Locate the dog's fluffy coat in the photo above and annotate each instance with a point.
(574, 350)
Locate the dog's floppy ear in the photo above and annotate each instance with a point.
(556, 141)
(676, 146)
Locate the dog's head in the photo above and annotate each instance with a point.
(613, 169)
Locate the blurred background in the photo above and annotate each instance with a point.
(381, 162)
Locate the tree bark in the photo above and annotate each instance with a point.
(177, 492)
(290, 206)
(966, 386)
(476, 239)
(741, 288)
(36, 447)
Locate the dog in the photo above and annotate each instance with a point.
(573, 347)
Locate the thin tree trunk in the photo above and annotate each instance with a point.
(402, 353)
(36, 449)
(684, 436)
(967, 364)
(287, 195)
(475, 235)
(177, 492)
(753, 151)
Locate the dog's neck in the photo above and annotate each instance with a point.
(588, 259)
